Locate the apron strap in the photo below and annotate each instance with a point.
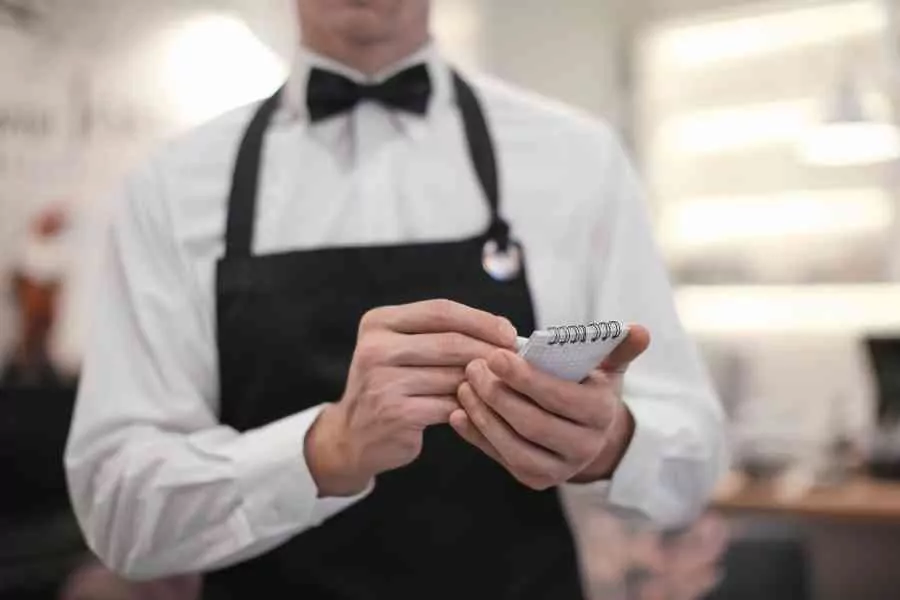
(245, 176)
(245, 182)
(481, 151)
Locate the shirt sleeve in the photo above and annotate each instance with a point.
(677, 453)
(159, 486)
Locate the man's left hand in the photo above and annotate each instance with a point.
(544, 430)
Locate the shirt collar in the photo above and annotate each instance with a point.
(294, 95)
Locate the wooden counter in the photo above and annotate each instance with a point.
(859, 498)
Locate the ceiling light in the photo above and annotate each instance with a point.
(848, 135)
(767, 34)
(734, 220)
(842, 309)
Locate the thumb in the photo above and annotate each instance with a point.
(634, 345)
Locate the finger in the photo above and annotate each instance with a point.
(427, 381)
(460, 422)
(439, 316)
(434, 349)
(578, 403)
(636, 342)
(547, 430)
(424, 411)
(528, 462)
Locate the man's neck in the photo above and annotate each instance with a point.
(369, 59)
(32, 351)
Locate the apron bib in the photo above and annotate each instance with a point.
(451, 524)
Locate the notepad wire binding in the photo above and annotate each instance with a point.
(579, 334)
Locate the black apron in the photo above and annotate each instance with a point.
(453, 523)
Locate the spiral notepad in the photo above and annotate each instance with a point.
(571, 352)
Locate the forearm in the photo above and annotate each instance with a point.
(155, 503)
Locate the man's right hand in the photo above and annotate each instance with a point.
(408, 364)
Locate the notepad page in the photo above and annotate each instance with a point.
(572, 362)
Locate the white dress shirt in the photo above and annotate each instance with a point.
(161, 487)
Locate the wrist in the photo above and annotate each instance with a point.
(331, 459)
(618, 439)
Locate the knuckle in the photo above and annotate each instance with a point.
(440, 311)
(442, 305)
(371, 319)
(544, 483)
(535, 481)
(537, 477)
(524, 479)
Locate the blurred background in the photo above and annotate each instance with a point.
(767, 136)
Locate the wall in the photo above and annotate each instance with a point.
(567, 50)
(752, 232)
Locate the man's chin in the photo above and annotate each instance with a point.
(365, 25)
(367, 36)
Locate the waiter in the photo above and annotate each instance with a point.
(299, 297)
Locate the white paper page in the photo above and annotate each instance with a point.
(572, 361)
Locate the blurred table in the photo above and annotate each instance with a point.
(852, 529)
(858, 498)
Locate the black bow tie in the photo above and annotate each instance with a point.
(329, 94)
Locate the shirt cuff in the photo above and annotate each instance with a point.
(667, 470)
(325, 508)
(636, 480)
(279, 494)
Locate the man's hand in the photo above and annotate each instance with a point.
(545, 430)
(685, 567)
(651, 564)
(407, 366)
